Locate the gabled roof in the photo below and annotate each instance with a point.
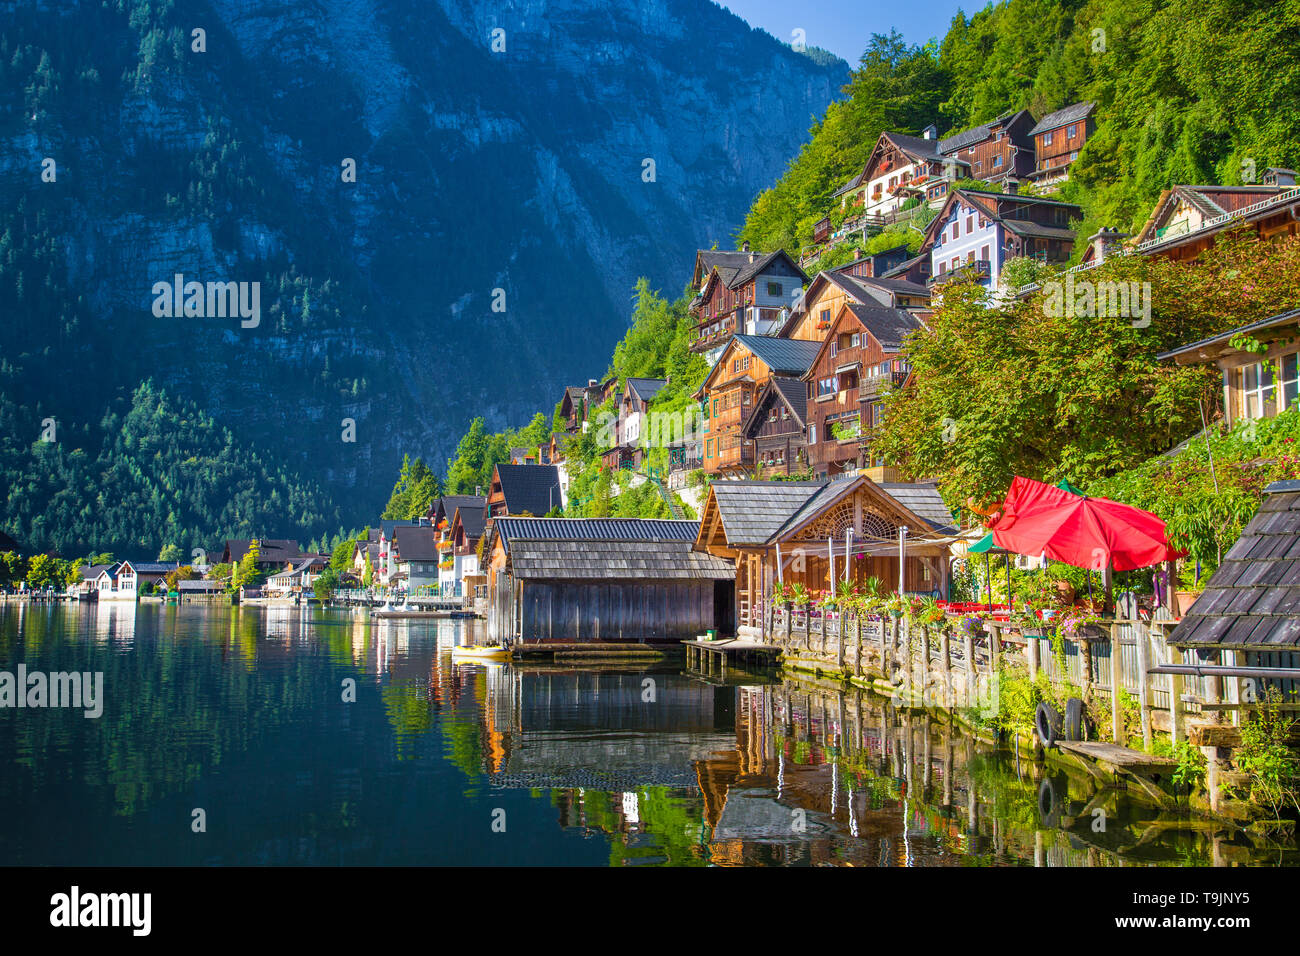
(992, 204)
(530, 488)
(151, 567)
(889, 327)
(1209, 345)
(977, 134)
(448, 504)
(1063, 117)
(92, 571)
(607, 549)
(1253, 599)
(737, 273)
(790, 392)
(904, 267)
(646, 388)
(472, 517)
(780, 355)
(1212, 202)
(269, 550)
(761, 513)
(751, 512)
(416, 543)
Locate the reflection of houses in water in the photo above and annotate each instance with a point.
(605, 731)
(114, 623)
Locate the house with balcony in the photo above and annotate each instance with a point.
(1058, 137)
(1187, 219)
(573, 407)
(528, 490)
(458, 553)
(731, 389)
(830, 290)
(977, 232)
(751, 295)
(903, 171)
(1256, 384)
(858, 361)
(777, 428)
(1000, 149)
(135, 576)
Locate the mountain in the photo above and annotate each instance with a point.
(501, 155)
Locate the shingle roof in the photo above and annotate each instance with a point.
(473, 516)
(1023, 228)
(1065, 115)
(889, 326)
(795, 395)
(928, 148)
(607, 548)
(449, 503)
(790, 356)
(924, 501)
(269, 550)
(975, 134)
(201, 584)
(153, 567)
(753, 511)
(530, 488)
(92, 571)
(416, 544)
(646, 388)
(1282, 319)
(904, 267)
(1254, 597)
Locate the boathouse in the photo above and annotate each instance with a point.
(817, 533)
(580, 580)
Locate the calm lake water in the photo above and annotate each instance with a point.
(240, 713)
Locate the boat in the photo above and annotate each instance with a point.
(481, 652)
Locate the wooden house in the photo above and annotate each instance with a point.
(976, 233)
(792, 531)
(530, 490)
(749, 295)
(874, 265)
(1187, 219)
(902, 168)
(731, 388)
(630, 431)
(1255, 384)
(272, 553)
(831, 290)
(859, 360)
(566, 580)
(417, 558)
(1248, 616)
(1058, 137)
(996, 150)
(459, 557)
(297, 577)
(777, 428)
(573, 408)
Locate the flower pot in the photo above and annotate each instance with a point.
(1066, 590)
(1185, 600)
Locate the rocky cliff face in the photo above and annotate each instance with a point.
(497, 146)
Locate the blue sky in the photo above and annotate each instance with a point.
(844, 26)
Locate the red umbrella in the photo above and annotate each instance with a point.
(1086, 532)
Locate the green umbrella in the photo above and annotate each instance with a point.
(1064, 485)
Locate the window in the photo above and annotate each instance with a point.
(956, 261)
(812, 434)
(715, 408)
(708, 448)
(1070, 131)
(774, 288)
(984, 253)
(977, 167)
(1047, 139)
(1074, 154)
(997, 162)
(1290, 380)
(970, 225)
(826, 386)
(1257, 390)
(826, 316)
(956, 228)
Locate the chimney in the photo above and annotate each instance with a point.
(744, 246)
(1012, 187)
(1104, 242)
(930, 132)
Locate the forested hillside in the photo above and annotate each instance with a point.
(152, 471)
(1188, 91)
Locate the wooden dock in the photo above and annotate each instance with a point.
(1111, 763)
(593, 652)
(714, 657)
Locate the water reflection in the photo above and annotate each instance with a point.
(243, 712)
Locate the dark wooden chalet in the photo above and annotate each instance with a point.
(859, 360)
(833, 288)
(272, 553)
(752, 296)
(998, 149)
(573, 407)
(524, 490)
(563, 580)
(1188, 219)
(732, 386)
(776, 427)
(1058, 137)
(1249, 614)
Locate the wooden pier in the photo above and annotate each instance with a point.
(713, 657)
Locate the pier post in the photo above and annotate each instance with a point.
(857, 646)
(1085, 662)
(945, 666)
(822, 649)
(1144, 681)
(1116, 688)
(839, 641)
(1031, 651)
(1177, 720)
(995, 647)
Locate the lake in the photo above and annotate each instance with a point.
(256, 736)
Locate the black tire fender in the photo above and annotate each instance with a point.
(1047, 721)
(1074, 718)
